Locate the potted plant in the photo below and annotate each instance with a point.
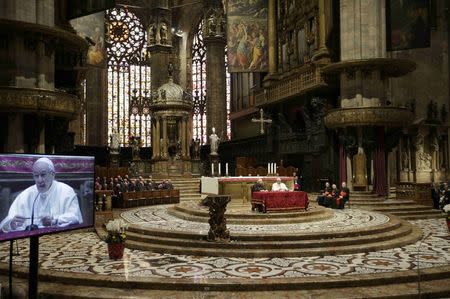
(116, 238)
(446, 210)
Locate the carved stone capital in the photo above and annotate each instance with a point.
(368, 116)
(39, 101)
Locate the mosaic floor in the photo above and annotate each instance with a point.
(85, 253)
(348, 219)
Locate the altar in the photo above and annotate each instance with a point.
(280, 201)
(240, 187)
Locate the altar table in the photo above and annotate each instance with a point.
(279, 201)
(240, 187)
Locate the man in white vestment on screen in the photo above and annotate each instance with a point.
(48, 203)
(279, 186)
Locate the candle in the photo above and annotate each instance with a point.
(268, 168)
(275, 168)
(226, 169)
(212, 169)
(219, 167)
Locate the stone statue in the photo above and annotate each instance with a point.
(214, 141)
(444, 114)
(423, 159)
(162, 147)
(435, 111)
(419, 142)
(151, 34)
(405, 160)
(163, 33)
(115, 141)
(211, 25)
(434, 148)
(135, 149)
(219, 22)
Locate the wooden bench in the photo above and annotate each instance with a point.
(148, 198)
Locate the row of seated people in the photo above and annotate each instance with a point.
(138, 192)
(334, 198)
(126, 184)
(277, 186)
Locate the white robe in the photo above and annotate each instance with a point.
(279, 187)
(60, 202)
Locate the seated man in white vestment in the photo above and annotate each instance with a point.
(279, 186)
(48, 203)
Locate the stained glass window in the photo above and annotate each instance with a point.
(199, 88)
(128, 77)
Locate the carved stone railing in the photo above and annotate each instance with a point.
(419, 192)
(37, 100)
(302, 80)
(217, 222)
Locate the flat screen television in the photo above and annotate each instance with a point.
(44, 194)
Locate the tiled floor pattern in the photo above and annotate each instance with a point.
(85, 253)
(348, 219)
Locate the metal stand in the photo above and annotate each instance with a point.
(33, 269)
(10, 267)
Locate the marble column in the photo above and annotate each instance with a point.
(188, 136)
(165, 141)
(157, 137)
(183, 137)
(215, 73)
(322, 54)
(15, 142)
(363, 37)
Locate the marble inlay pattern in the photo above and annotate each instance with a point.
(85, 253)
(348, 219)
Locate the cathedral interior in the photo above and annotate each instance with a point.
(353, 91)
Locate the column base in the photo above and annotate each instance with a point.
(321, 56)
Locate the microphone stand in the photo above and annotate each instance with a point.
(33, 226)
(419, 289)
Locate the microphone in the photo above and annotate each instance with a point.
(33, 226)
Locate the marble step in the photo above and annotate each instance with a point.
(333, 248)
(203, 218)
(383, 203)
(270, 245)
(431, 288)
(393, 208)
(393, 223)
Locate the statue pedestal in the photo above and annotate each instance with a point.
(423, 176)
(172, 168)
(404, 176)
(114, 158)
(140, 167)
(217, 222)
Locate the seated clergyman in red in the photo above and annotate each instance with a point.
(344, 195)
